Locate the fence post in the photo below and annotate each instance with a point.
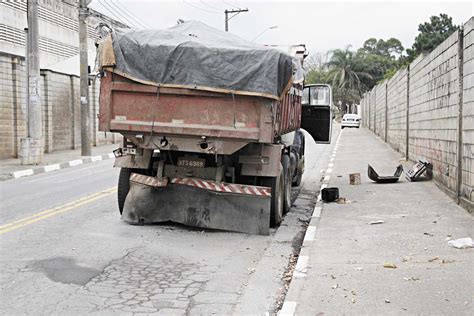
(386, 110)
(375, 110)
(407, 131)
(460, 112)
(73, 114)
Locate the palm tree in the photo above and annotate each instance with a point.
(345, 70)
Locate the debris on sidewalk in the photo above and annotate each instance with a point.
(433, 259)
(411, 279)
(374, 176)
(389, 265)
(342, 200)
(387, 301)
(462, 243)
(376, 222)
(330, 194)
(354, 178)
(417, 170)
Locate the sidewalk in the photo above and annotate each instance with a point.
(341, 265)
(12, 168)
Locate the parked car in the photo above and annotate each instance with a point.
(350, 120)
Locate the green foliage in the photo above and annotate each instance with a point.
(352, 73)
(431, 34)
(346, 71)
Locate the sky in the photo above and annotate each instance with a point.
(321, 25)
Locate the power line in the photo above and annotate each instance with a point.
(196, 7)
(117, 15)
(130, 12)
(120, 11)
(119, 6)
(127, 20)
(210, 6)
(109, 12)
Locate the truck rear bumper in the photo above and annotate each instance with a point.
(200, 203)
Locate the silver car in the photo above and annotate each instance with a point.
(350, 120)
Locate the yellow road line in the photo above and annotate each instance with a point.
(55, 211)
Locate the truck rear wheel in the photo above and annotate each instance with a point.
(285, 161)
(123, 187)
(278, 195)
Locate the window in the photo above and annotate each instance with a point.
(316, 95)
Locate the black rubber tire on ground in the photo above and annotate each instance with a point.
(342, 127)
(123, 187)
(299, 142)
(276, 202)
(285, 162)
(297, 179)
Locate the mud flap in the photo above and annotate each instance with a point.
(197, 207)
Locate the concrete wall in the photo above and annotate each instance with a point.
(397, 92)
(61, 109)
(467, 183)
(12, 104)
(380, 110)
(434, 108)
(427, 111)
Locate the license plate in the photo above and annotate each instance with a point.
(191, 162)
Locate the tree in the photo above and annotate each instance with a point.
(379, 56)
(431, 34)
(391, 48)
(345, 70)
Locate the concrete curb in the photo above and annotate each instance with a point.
(58, 166)
(289, 307)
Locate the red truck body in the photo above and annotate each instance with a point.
(133, 108)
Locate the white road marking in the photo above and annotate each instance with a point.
(317, 212)
(310, 233)
(301, 267)
(288, 309)
(319, 197)
(329, 170)
(22, 173)
(96, 158)
(76, 162)
(324, 185)
(326, 178)
(111, 155)
(332, 159)
(49, 168)
(330, 165)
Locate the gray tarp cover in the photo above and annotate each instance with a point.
(194, 55)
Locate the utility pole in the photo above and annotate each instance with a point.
(84, 82)
(227, 18)
(31, 151)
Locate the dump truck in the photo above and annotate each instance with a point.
(211, 126)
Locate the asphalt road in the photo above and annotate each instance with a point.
(64, 250)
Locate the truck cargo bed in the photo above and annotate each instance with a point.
(128, 106)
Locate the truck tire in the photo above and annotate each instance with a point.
(299, 143)
(123, 187)
(297, 179)
(276, 202)
(285, 162)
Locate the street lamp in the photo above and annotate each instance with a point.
(268, 28)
